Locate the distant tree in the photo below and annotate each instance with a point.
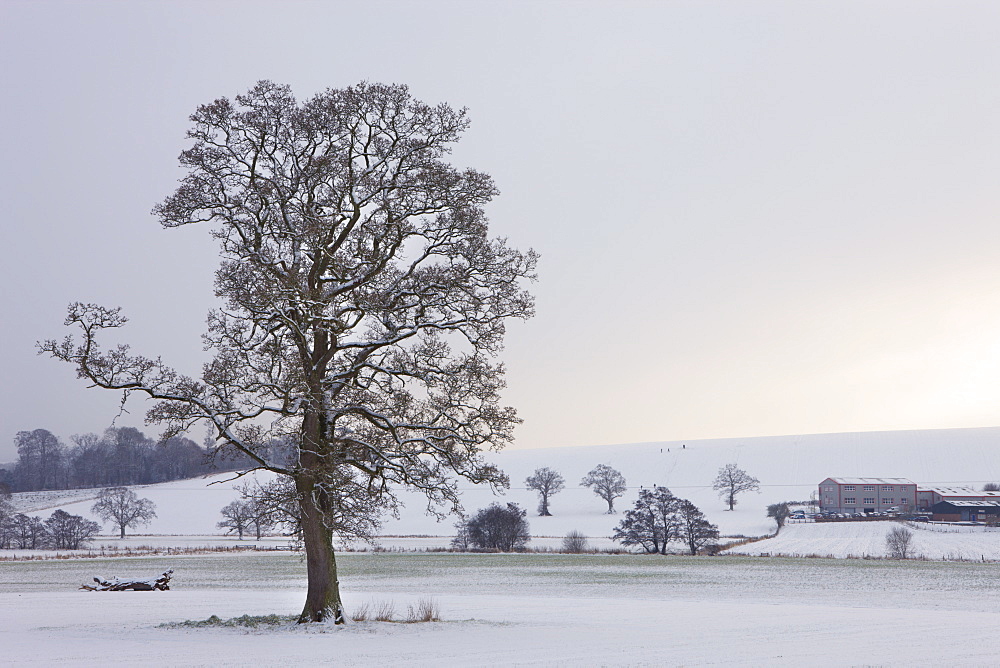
(898, 543)
(123, 508)
(461, 541)
(652, 523)
(27, 533)
(238, 517)
(546, 482)
(275, 504)
(6, 520)
(991, 487)
(499, 527)
(695, 531)
(6, 533)
(6, 506)
(574, 543)
(606, 483)
(733, 480)
(41, 461)
(69, 532)
(780, 513)
(261, 518)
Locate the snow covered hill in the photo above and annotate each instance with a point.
(788, 467)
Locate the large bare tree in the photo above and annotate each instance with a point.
(364, 306)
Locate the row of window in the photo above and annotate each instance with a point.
(870, 488)
(869, 501)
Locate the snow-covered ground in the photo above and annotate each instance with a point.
(528, 609)
(867, 539)
(551, 609)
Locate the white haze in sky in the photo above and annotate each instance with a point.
(754, 217)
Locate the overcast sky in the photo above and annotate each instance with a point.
(754, 218)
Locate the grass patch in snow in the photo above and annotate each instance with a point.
(244, 621)
(426, 610)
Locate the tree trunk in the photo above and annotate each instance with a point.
(123, 531)
(323, 593)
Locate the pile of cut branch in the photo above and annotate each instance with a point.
(161, 583)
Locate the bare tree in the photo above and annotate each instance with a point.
(546, 482)
(991, 487)
(27, 533)
(41, 460)
(898, 543)
(733, 480)
(364, 305)
(123, 508)
(461, 541)
(238, 517)
(268, 507)
(498, 527)
(69, 532)
(607, 483)
(695, 531)
(7, 515)
(652, 523)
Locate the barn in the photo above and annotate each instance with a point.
(967, 511)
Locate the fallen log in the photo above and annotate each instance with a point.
(161, 583)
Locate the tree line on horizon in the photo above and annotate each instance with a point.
(118, 457)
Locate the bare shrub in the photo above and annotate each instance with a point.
(363, 613)
(384, 611)
(426, 610)
(898, 543)
(574, 543)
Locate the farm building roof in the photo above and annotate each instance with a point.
(872, 481)
(991, 503)
(957, 491)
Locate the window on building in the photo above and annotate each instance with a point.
(904, 501)
(888, 501)
(869, 500)
(869, 488)
(848, 488)
(849, 500)
(886, 488)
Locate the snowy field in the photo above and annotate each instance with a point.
(549, 609)
(867, 539)
(789, 469)
(518, 610)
